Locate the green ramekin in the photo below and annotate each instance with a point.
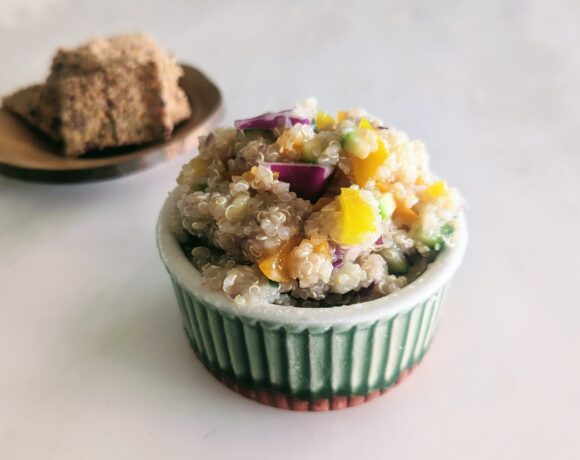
(309, 358)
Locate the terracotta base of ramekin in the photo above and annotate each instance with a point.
(284, 401)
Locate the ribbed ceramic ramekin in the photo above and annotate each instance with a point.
(309, 358)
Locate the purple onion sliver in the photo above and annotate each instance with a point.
(271, 120)
(337, 255)
(380, 241)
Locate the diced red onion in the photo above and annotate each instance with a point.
(380, 241)
(271, 120)
(305, 179)
(337, 263)
(337, 255)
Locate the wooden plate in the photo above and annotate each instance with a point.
(27, 154)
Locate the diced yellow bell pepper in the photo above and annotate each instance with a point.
(357, 218)
(404, 213)
(324, 121)
(341, 116)
(322, 247)
(365, 169)
(437, 190)
(274, 265)
(384, 187)
(365, 124)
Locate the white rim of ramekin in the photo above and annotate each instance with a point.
(437, 274)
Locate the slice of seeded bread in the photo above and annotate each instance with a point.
(85, 122)
(24, 102)
(106, 93)
(27, 104)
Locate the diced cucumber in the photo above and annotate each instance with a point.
(198, 187)
(309, 152)
(387, 205)
(447, 229)
(396, 262)
(352, 143)
(255, 133)
(436, 240)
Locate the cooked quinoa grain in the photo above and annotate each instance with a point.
(307, 209)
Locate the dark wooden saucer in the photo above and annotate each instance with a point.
(27, 154)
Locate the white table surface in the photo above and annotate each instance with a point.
(93, 360)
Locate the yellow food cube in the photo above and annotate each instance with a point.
(274, 265)
(365, 124)
(357, 218)
(437, 190)
(324, 121)
(365, 169)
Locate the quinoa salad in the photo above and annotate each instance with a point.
(308, 209)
